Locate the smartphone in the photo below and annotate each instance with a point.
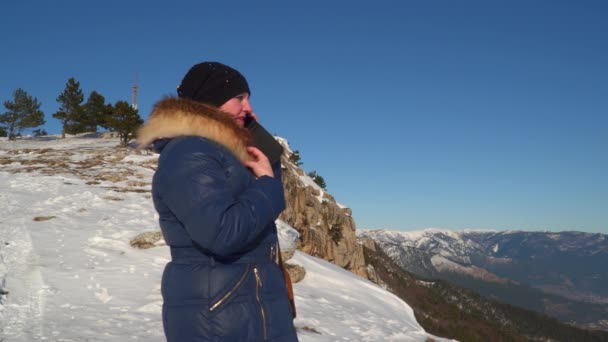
(264, 140)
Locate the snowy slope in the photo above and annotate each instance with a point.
(67, 271)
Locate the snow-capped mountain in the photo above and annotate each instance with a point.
(68, 273)
(428, 252)
(565, 268)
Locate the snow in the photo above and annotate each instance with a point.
(442, 263)
(68, 272)
(343, 306)
(287, 235)
(414, 237)
(139, 159)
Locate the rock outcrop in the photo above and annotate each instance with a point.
(148, 240)
(326, 228)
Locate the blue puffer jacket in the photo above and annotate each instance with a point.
(223, 283)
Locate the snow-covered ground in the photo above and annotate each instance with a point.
(68, 209)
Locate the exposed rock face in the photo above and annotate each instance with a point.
(368, 242)
(374, 277)
(327, 229)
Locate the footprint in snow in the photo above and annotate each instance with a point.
(103, 295)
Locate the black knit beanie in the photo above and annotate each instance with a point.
(213, 83)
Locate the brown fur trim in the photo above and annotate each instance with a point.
(173, 117)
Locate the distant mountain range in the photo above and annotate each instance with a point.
(563, 275)
(451, 311)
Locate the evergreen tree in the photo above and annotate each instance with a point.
(95, 111)
(317, 179)
(23, 112)
(70, 108)
(124, 120)
(295, 158)
(2, 131)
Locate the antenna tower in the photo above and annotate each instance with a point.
(134, 94)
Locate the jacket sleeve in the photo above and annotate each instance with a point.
(198, 194)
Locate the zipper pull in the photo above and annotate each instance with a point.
(277, 257)
(257, 276)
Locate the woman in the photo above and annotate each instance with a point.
(217, 199)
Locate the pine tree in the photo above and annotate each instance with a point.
(295, 158)
(70, 108)
(23, 112)
(95, 111)
(124, 120)
(3, 131)
(317, 179)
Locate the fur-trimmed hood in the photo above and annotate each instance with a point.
(173, 117)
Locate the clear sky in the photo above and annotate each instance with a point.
(446, 114)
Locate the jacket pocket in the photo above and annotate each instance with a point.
(231, 292)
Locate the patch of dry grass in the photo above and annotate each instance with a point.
(137, 183)
(113, 177)
(99, 165)
(89, 162)
(137, 190)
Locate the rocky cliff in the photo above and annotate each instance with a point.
(326, 228)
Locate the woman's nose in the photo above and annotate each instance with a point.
(247, 106)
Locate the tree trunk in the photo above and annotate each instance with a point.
(11, 131)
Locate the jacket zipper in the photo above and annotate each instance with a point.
(232, 291)
(257, 296)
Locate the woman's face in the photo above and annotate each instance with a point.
(238, 108)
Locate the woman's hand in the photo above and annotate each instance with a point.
(260, 165)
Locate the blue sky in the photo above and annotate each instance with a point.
(448, 114)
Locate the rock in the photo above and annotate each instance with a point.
(368, 242)
(296, 272)
(374, 277)
(43, 218)
(287, 254)
(148, 240)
